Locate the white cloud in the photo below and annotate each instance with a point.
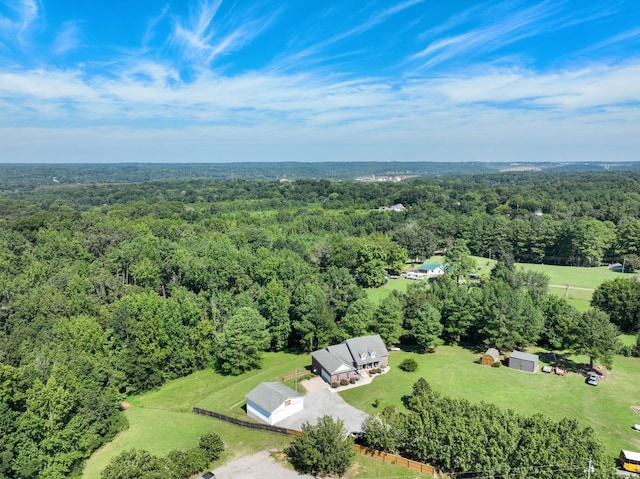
(17, 26)
(67, 39)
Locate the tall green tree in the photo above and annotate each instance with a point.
(620, 299)
(358, 319)
(387, 319)
(323, 449)
(595, 336)
(459, 260)
(427, 329)
(311, 320)
(242, 342)
(510, 318)
(274, 306)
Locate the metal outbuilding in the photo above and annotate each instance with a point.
(523, 361)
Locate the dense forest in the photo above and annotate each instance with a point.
(113, 289)
(16, 177)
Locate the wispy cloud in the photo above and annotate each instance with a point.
(503, 30)
(67, 39)
(203, 37)
(23, 15)
(500, 25)
(149, 32)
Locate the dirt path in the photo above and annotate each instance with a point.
(565, 286)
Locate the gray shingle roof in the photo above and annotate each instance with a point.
(334, 359)
(366, 349)
(269, 396)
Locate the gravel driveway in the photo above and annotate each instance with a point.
(260, 464)
(321, 403)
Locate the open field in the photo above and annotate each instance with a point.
(376, 295)
(573, 275)
(161, 420)
(574, 283)
(452, 371)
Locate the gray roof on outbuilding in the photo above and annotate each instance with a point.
(269, 396)
(525, 356)
(493, 352)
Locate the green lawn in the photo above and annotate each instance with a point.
(564, 280)
(452, 371)
(376, 295)
(573, 275)
(161, 420)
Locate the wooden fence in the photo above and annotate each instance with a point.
(247, 424)
(378, 455)
(397, 460)
(299, 374)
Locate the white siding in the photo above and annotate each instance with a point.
(286, 409)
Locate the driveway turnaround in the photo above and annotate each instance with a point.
(325, 403)
(260, 465)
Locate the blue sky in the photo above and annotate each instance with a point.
(319, 80)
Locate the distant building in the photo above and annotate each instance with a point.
(397, 207)
(431, 270)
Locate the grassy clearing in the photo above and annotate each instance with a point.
(376, 295)
(452, 371)
(578, 298)
(161, 420)
(573, 275)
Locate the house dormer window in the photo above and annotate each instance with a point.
(372, 354)
(363, 356)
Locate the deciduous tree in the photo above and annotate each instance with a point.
(323, 449)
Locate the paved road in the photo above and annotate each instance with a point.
(260, 464)
(321, 403)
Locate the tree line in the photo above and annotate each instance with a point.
(481, 440)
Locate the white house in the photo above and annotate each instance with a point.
(431, 270)
(272, 402)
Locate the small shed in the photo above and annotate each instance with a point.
(490, 357)
(523, 361)
(272, 402)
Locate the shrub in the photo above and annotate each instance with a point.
(409, 365)
(335, 384)
(323, 449)
(188, 463)
(376, 402)
(497, 364)
(344, 382)
(352, 380)
(211, 443)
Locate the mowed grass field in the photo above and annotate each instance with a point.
(161, 420)
(574, 283)
(452, 371)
